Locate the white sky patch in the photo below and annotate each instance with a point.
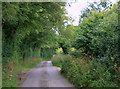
(48, 61)
(76, 7)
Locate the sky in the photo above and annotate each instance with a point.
(76, 7)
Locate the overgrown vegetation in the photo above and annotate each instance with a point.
(30, 28)
(95, 58)
(12, 68)
(29, 31)
(88, 53)
(86, 72)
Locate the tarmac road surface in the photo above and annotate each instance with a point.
(45, 75)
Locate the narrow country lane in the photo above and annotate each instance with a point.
(45, 75)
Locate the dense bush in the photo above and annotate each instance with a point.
(97, 36)
(84, 72)
(98, 33)
(75, 53)
(95, 60)
(29, 30)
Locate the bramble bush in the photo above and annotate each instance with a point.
(94, 61)
(84, 73)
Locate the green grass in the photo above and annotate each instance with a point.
(9, 75)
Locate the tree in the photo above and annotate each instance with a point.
(97, 33)
(103, 5)
(65, 38)
(30, 26)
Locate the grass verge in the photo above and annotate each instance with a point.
(10, 70)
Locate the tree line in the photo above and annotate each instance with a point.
(29, 28)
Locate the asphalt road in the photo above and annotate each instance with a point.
(45, 75)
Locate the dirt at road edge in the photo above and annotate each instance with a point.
(22, 75)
